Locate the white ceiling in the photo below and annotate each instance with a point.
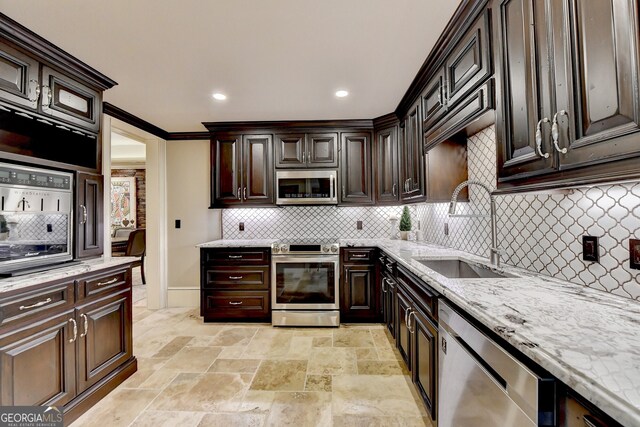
(125, 149)
(275, 59)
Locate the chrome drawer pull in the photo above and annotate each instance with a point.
(38, 304)
(390, 265)
(235, 277)
(555, 132)
(75, 330)
(359, 255)
(235, 302)
(86, 325)
(108, 282)
(28, 254)
(235, 256)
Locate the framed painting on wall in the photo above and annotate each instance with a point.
(123, 201)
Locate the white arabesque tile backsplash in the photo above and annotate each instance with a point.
(540, 232)
(543, 232)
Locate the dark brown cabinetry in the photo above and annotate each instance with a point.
(312, 150)
(359, 290)
(355, 169)
(387, 173)
(388, 285)
(412, 178)
(56, 349)
(19, 77)
(242, 170)
(89, 229)
(235, 284)
(568, 113)
(446, 167)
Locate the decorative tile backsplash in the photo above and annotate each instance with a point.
(543, 232)
(308, 221)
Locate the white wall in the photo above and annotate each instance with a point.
(188, 199)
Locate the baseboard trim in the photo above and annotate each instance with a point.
(183, 297)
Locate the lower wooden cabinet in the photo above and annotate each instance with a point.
(235, 284)
(358, 285)
(38, 363)
(403, 337)
(388, 301)
(68, 349)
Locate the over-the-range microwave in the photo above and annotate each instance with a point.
(306, 187)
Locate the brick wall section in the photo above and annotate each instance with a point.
(141, 204)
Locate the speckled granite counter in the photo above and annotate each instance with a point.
(588, 339)
(227, 243)
(13, 283)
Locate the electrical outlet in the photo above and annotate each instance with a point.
(178, 223)
(634, 254)
(49, 228)
(446, 228)
(241, 226)
(590, 249)
(359, 225)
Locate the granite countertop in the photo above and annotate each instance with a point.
(18, 282)
(587, 338)
(239, 243)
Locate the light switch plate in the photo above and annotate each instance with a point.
(590, 251)
(359, 225)
(634, 254)
(241, 226)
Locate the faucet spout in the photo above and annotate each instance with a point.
(494, 252)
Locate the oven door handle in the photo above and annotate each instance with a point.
(332, 189)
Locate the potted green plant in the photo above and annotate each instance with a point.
(405, 223)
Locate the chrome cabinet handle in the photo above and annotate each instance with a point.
(309, 157)
(343, 193)
(244, 193)
(332, 190)
(75, 330)
(303, 154)
(555, 132)
(235, 277)
(359, 255)
(381, 260)
(30, 254)
(36, 90)
(384, 282)
(235, 256)
(239, 193)
(85, 216)
(108, 282)
(86, 325)
(38, 304)
(235, 302)
(389, 265)
(539, 137)
(409, 183)
(49, 96)
(409, 324)
(406, 315)
(393, 190)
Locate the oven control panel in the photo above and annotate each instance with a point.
(305, 248)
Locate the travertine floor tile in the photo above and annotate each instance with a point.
(322, 342)
(380, 367)
(332, 361)
(233, 419)
(352, 338)
(193, 359)
(375, 395)
(245, 366)
(300, 409)
(280, 375)
(234, 337)
(168, 419)
(173, 346)
(117, 409)
(207, 392)
(318, 383)
(366, 354)
(372, 421)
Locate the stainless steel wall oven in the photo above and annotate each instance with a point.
(36, 207)
(305, 283)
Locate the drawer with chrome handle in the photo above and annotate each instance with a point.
(219, 305)
(103, 282)
(215, 256)
(230, 277)
(359, 255)
(30, 304)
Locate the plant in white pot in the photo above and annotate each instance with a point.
(405, 223)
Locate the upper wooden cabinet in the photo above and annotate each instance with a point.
(19, 82)
(311, 150)
(387, 174)
(569, 112)
(412, 180)
(355, 168)
(242, 170)
(89, 226)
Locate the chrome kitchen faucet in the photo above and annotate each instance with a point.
(494, 252)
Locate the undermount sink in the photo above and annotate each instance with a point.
(456, 269)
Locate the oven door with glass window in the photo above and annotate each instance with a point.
(305, 282)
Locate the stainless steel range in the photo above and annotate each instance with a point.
(305, 282)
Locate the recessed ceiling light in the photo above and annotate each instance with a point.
(342, 93)
(219, 96)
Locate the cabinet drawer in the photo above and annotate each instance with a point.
(387, 264)
(104, 282)
(235, 257)
(216, 277)
(424, 296)
(358, 255)
(31, 304)
(219, 305)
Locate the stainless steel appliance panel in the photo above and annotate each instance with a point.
(306, 187)
(480, 384)
(305, 282)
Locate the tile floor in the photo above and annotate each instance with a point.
(196, 374)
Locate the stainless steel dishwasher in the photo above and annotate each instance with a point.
(481, 385)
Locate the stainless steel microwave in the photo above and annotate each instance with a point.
(306, 187)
